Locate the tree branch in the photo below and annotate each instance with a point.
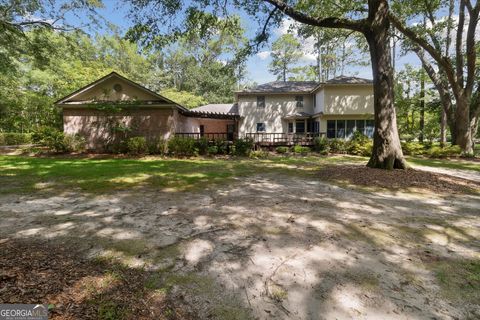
(330, 22)
(443, 62)
(459, 43)
(471, 52)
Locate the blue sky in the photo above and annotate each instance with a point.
(257, 65)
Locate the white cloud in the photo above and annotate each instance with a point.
(263, 54)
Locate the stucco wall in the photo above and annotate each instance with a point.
(348, 99)
(276, 108)
(96, 126)
(105, 91)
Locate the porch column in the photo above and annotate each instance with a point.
(305, 124)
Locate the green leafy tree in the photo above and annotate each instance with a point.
(285, 55)
(371, 20)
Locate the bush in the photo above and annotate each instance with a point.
(222, 146)
(137, 145)
(74, 143)
(281, 150)
(337, 145)
(54, 139)
(438, 152)
(359, 145)
(321, 145)
(243, 147)
(157, 146)
(14, 138)
(413, 148)
(300, 149)
(180, 146)
(259, 154)
(202, 146)
(212, 150)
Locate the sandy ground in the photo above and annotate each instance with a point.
(271, 246)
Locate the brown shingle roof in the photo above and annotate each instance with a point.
(348, 80)
(283, 87)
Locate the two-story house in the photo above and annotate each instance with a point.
(275, 112)
(337, 107)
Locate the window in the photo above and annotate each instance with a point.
(261, 127)
(350, 128)
(331, 128)
(290, 127)
(316, 126)
(300, 126)
(369, 126)
(341, 129)
(345, 128)
(299, 100)
(361, 126)
(260, 101)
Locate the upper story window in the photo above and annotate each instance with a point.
(261, 101)
(299, 100)
(261, 127)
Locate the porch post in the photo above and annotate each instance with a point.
(305, 124)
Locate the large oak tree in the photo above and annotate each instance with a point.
(370, 20)
(448, 51)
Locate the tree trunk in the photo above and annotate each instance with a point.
(387, 151)
(422, 108)
(443, 125)
(463, 133)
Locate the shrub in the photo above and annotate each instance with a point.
(337, 145)
(202, 146)
(438, 152)
(74, 143)
(321, 145)
(243, 147)
(300, 149)
(359, 145)
(14, 138)
(137, 145)
(259, 154)
(212, 150)
(281, 150)
(157, 146)
(42, 134)
(222, 146)
(54, 139)
(413, 148)
(180, 146)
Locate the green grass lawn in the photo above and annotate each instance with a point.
(21, 174)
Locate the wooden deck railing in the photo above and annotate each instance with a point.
(209, 136)
(283, 139)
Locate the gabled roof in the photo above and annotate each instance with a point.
(283, 87)
(302, 86)
(225, 108)
(348, 80)
(156, 97)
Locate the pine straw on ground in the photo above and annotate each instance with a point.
(76, 288)
(408, 179)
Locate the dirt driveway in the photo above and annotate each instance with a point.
(276, 246)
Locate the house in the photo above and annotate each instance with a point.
(337, 107)
(115, 107)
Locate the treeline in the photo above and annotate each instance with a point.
(192, 71)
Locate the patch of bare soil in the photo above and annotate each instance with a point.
(77, 288)
(397, 179)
